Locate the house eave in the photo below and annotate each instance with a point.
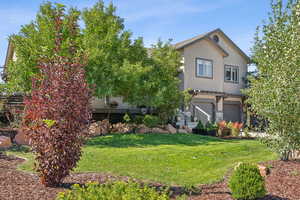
(206, 38)
(214, 93)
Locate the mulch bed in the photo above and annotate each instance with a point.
(282, 184)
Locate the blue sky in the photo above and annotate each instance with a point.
(153, 19)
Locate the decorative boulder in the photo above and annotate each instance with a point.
(121, 128)
(264, 171)
(188, 130)
(143, 130)
(182, 131)
(171, 129)
(5, 142)
(21, 139)
(160, 130)
(99, 128)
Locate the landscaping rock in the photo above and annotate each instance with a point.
(21, 139)
(171, 129)
(264, 171)
(143, 130)
(5, 142)
(99, 128)
(182, 130)
(188, 130)
(160, 130)
(121, 128)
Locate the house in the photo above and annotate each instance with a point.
(213, 68)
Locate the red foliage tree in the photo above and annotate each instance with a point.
(57, 113)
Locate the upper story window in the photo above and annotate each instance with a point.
(204, 68)
(216, 38)
(231, 74)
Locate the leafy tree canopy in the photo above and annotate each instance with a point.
(36, 41)
(156, 83)
(116, 64)
(275, 92)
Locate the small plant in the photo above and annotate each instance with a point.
(191, 189)
(229, 128)
(236, 128)
(295, 173)
(151, 121)
(126, 118)
(211, 126)
(112, 191)
(200, 126)
(223, 129)
(247, 183)
(138, 119)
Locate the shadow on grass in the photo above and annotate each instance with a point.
(19, 149)
(144, 140)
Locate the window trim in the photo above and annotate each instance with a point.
(212, 68)
(238, 73)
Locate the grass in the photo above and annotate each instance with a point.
(179, 159)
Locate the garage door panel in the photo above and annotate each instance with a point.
(231, 112)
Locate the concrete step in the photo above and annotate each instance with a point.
(192, 124)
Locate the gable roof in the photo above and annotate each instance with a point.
(9, 52)
(205, 36)
(9, 55)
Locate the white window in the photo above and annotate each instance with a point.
(204, 68)
(231, 74)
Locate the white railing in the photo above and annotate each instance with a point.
(208, 116)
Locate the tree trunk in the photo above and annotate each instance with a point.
(285, 155)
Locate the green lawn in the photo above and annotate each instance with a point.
(181, 159)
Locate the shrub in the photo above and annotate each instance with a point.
(138, 119)
(235, 128)
(247, 183)
(126, 118)
(229, 128)
(151, 121)
(200, 126)
(112, 191)
(57, 112)
(211, 126)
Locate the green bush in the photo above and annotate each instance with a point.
(246, 183)
(151, 121)
(211, 126)
(126, 118)
(112, 191)
(138, 119)
(200, 125)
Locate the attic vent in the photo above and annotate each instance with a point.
(216, 38)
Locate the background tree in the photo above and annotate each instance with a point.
(155, 83)
(36, 41)
(109, 46)
(275, 93)
(116, 64)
